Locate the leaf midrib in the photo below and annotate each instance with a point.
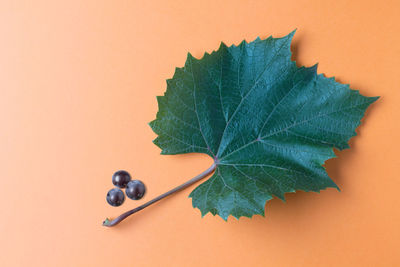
(247, 94)
(289, 127)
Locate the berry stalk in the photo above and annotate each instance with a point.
(123, 216)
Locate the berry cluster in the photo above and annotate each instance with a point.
(134, 189)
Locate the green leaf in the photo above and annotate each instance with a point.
(268, 124)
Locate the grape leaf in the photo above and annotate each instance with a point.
(268, 124)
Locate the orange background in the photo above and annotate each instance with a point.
(78, 86)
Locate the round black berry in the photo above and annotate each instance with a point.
(121, 178)
(115, 197)
(135, 189)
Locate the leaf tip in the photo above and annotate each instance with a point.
(222, 45)
(314, 67)
(332, 184)
(374, 98)
(291, 34)
(189, 56)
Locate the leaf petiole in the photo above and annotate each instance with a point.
(123, 216)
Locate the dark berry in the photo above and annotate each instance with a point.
(121, 178)
(115, 197)
(135, 189)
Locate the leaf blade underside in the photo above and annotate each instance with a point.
(268, 124)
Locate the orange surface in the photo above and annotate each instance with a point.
(78, 86)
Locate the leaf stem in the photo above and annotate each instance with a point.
(123, 216)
